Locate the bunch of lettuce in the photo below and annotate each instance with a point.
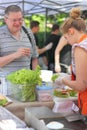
(25, 76)
(29, 79)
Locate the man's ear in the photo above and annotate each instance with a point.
(5, 19)
(71, 31)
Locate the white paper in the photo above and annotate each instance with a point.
(46, 75)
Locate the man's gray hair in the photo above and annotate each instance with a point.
(12, 8)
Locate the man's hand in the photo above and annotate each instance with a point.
(49, 46)
(22, 52)
(57, 68)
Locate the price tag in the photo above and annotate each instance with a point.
(75, 107)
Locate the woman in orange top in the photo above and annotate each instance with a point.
(74, 29)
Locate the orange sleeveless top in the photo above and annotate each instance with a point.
(82, 97)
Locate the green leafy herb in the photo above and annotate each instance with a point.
(72, 93)
(3, 102)
(54, 77)
(61, 94)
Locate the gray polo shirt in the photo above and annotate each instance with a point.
(9, 44)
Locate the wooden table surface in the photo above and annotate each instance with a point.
(18, 108)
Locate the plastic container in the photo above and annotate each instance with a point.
(3, 86)
(23, 92)
(44, 93)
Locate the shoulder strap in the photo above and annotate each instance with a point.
(25, 30)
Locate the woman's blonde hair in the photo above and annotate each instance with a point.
(74, 21)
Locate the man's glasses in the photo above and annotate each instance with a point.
(15, 20)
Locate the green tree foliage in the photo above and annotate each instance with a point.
(2, 22)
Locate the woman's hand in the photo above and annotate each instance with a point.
(60, 79)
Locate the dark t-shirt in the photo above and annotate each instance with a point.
(36, 39)
(51, 53)
(37, 43)
(65, 55)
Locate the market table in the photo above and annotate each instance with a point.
(18, 108)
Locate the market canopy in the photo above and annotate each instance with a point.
(43, 6)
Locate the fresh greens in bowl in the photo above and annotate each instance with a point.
(27, 79)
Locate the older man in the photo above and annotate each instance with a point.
(16, 50)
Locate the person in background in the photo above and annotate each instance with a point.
(74, 31)
(34, 25)
(63, 56)
(16, 50)
(53, 38)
